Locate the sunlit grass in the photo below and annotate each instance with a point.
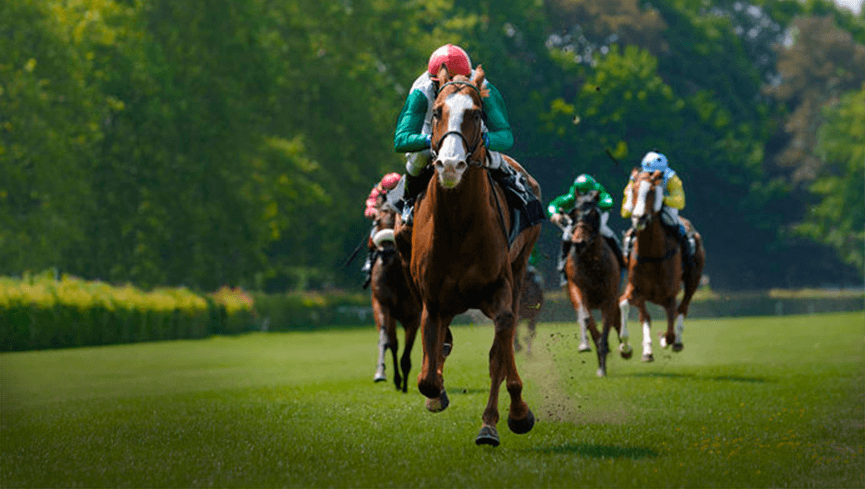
(764, 402)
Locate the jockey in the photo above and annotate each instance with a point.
(413, 130)
(560, 207)
(373, 203)
(674, 201)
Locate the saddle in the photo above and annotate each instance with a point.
(524, 207)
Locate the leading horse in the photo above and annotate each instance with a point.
(460, 256)
(392, 299)
(655, 271)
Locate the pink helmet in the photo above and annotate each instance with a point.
(390, 180)
(454, 57)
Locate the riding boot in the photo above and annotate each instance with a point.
(563, 260)
(617, 250)
(687, 247)
(414, 185)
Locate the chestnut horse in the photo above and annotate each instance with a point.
(655, 264)
(593, 275)
(459, 254)
(392, 299)
(531, 301)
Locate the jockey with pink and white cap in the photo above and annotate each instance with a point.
(376, 197)
(413, 128)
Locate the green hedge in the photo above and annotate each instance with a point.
(44, 312)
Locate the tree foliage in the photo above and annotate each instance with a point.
(165, 142)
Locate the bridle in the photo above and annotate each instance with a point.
(580, 216)
(654, 259)
(474, 148)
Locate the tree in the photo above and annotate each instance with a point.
(837, 218)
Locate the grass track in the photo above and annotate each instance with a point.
(754, 402)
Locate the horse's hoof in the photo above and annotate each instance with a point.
(521, 426)
(488, 436)
(602, 372)
(379, 378)
(446, 349)
(677, 347)
(626, 354)
(438, 404)
(585, 348)
(663, 341)
(648, 357)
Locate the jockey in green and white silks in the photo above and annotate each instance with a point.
(558, 211)
(413, 129)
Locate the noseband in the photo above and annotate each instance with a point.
(471, 151)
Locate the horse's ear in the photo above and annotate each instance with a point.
(656, 175)
(478, 80)
(634, 173)
(595, 195)
(443, 75)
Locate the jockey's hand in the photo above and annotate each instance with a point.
(561, 220)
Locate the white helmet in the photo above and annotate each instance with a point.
(654, 161)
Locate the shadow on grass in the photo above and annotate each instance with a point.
(599, 451)
(719, 378)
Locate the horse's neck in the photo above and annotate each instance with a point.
(453, 209)
(652, 239)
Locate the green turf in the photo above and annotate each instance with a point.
(755, 402)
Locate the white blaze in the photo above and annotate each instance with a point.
(452, 148)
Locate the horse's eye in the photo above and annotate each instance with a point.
(437, 113)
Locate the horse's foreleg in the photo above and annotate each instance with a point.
(380, 321)
(625, 349)
(533, 330)
(672, 336)
(430, 382)
(393, 344)
(646, 321)
(405, 362)
(582, 316)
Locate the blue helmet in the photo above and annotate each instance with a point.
(654, 161)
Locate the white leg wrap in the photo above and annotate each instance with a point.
(647, 338)
(582, 317)
(624, 308)
(382, 343)
(680, 328)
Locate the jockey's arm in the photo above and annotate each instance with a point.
(626, 211)
(409, 136)
(675, 195)
(498, 127)
(606, 200)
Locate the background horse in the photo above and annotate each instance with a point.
(593, 275)
(655, 264)
(459, 255)
(531, 302)
(392, 299)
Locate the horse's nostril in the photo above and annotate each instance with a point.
(438, 164)
(461, 165)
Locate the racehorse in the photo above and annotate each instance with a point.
(531, 301)
(392, 299)
(459, 253)
(655, 264)
(593, 275)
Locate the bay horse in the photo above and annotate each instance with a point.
(531, 302)
(593, 276)
(392, 298)
(459, 252)
(655, 271)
